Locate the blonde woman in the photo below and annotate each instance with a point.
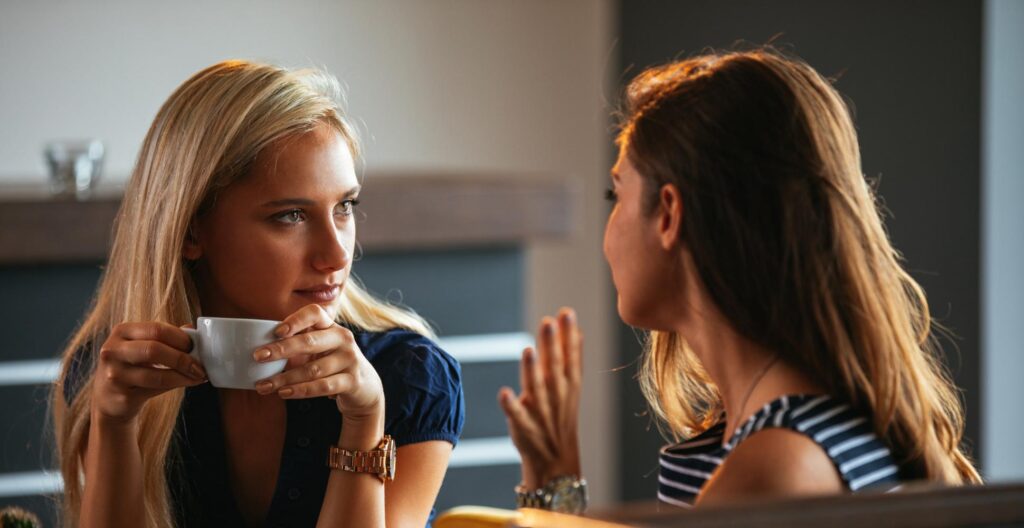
(789, 352)
(241, 205)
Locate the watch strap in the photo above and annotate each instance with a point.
(545, 497)
(538, 498)
(376, 461)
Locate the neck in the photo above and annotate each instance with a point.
(736, 365)
(746, 374)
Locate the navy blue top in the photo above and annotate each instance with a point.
(423, 402)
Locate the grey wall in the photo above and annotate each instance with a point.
(912, 70)
(1003, 241)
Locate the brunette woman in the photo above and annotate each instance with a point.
(789, 352)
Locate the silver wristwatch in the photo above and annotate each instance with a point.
(564, 494)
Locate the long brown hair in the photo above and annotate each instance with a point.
(787, 238)
(205, 137)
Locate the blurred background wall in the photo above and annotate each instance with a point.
(1002, 241)
(524, 89)
(440, 87)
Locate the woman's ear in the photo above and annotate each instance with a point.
(670, 216)
(191, 249)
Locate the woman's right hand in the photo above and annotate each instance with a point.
(544, 419)
(137, 362)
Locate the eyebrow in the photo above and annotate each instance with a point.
(306, 201)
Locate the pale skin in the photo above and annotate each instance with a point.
(658, 289)
(276, 245)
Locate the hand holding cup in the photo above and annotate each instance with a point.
(140, 360)
(323, 360)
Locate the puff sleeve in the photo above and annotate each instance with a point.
(422, 383)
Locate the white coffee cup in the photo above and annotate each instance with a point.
(224, 347)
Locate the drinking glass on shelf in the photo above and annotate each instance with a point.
(75, 167)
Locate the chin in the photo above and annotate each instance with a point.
(629, 314)
(333, 309)
(644, 318)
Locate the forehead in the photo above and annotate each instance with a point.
(623, 169)
(317, 161)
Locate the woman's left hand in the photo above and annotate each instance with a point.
(543, 420)
(323, 360)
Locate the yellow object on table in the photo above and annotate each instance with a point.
(533, 518)
(475, 517)
(484, 517)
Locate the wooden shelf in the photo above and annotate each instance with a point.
(400, 211)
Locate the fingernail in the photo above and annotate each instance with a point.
(285, 392)
(570, 316)
(261, 354)
(264, 386)
(549, 329)
(282, 330)
(528, 354)
(196, 371)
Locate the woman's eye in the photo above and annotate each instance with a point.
(609, 194)
(290, 217)
(345, 208)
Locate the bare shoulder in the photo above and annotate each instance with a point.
(773, 462)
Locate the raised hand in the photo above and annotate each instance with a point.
(543, 419)
(323, 360)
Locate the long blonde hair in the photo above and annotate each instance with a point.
(205, 136)
(787, 239)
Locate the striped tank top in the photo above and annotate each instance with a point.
(862, 459)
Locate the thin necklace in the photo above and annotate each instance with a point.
(753, 386)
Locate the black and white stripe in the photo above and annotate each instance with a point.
(862, 459)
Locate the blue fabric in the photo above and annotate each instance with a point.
(423, 402)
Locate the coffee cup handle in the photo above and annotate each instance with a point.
(193, 334)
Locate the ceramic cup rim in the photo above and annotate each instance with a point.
(237, 319)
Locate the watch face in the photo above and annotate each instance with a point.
(568, 496)
(390, 453)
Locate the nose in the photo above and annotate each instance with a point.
(331, 248)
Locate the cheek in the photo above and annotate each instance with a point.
(634, 270)
(253, 253)
(253, 268)
(617, 253)
(276, 260)
(613, 238)
(347, 236)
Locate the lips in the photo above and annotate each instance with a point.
(322, 293)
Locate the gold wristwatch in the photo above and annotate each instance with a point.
(379, 461)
